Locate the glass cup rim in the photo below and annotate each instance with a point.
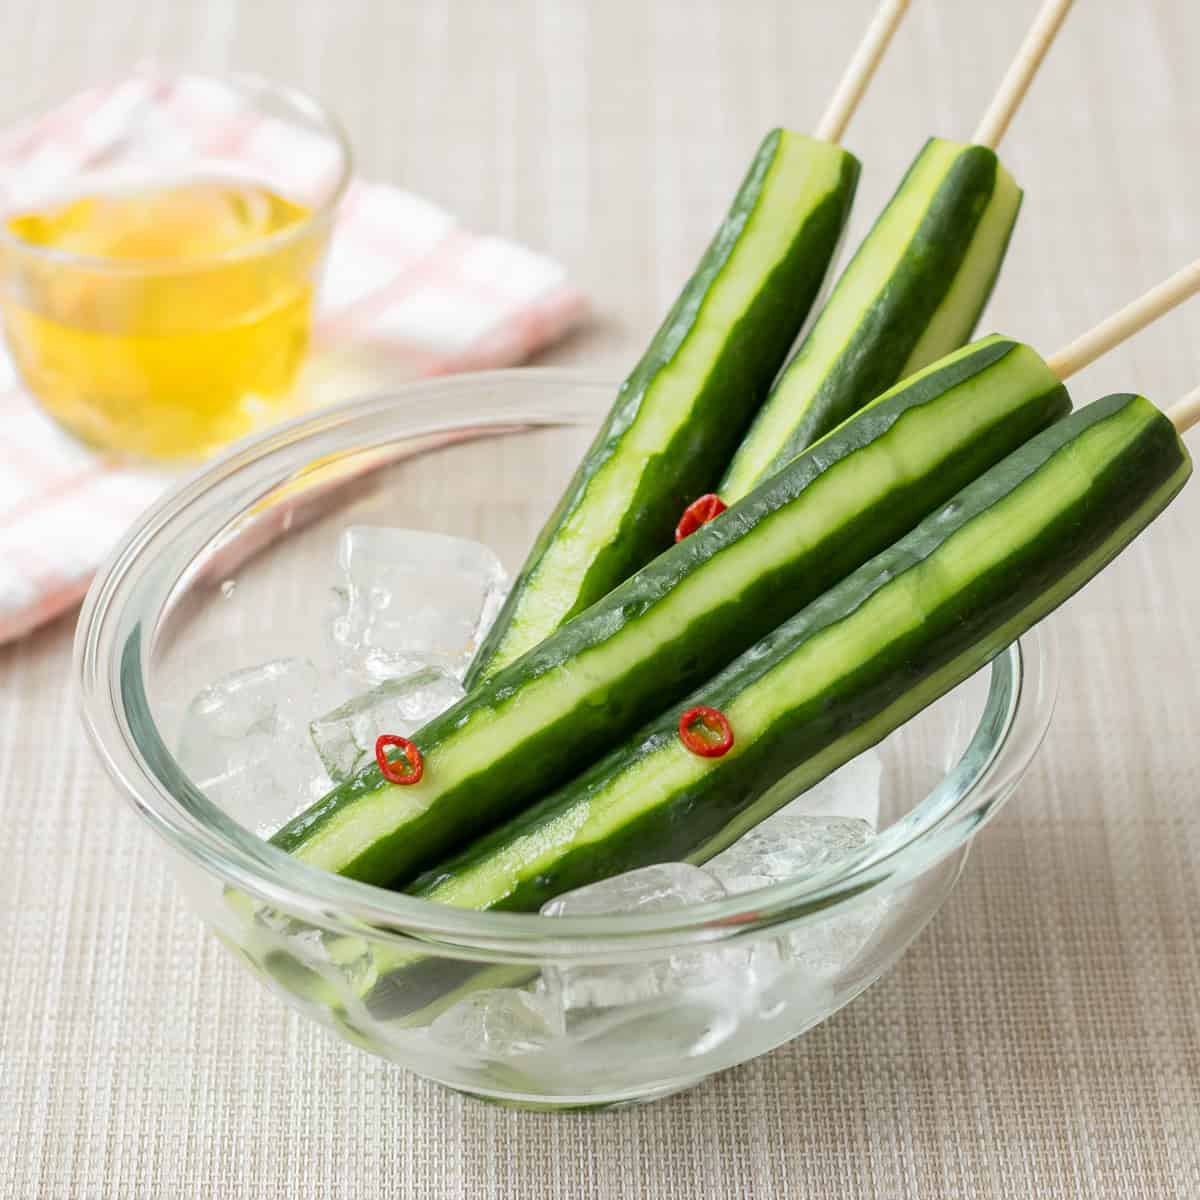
(110, 680)
(257, 85)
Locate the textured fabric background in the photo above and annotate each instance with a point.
(1043, 1036)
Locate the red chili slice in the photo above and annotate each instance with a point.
(712, 735)
(698, 513)
(407, 767)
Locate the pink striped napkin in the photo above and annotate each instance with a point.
(407, 292)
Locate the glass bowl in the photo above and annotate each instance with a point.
(234, 568)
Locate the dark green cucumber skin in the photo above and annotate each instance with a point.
(582, 734)
(960, 631)
(874, 358)
(690, 464)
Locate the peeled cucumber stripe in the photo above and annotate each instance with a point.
(678, 417)
(683, 617)
(855, 664)
(913, 292)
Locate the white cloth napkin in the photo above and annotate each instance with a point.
(407, 292)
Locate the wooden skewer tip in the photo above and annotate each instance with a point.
(1125, 323)
(1186, 413)
(853, 83)
(1020, 74)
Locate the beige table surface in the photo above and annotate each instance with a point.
(1043, 1037)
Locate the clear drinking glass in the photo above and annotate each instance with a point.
(234, 568)
(159, 255)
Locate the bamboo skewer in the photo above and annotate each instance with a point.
(1125, 323)
(1020, 74)
(858, 74)
(1186, 413)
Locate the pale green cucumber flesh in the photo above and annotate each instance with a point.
(865, 657)
(683, 617)
(680, 414)
(912, 293)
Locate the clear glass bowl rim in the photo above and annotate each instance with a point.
(1016, 717)
(243, 81)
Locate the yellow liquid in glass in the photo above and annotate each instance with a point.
(180, 329)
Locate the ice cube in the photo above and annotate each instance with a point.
(410, 599)
(682, 1024)
(581, 992)
(823, 947)
(243, 743)
(788, 845)
(345, 737)
(657, 888)
(495, 1023)
(853, 790)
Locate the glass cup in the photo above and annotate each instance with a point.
(159, 256)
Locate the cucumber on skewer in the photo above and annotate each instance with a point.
(679, 415)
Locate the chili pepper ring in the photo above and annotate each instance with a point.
(407, 768)
(699, 512)
(712, 721)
